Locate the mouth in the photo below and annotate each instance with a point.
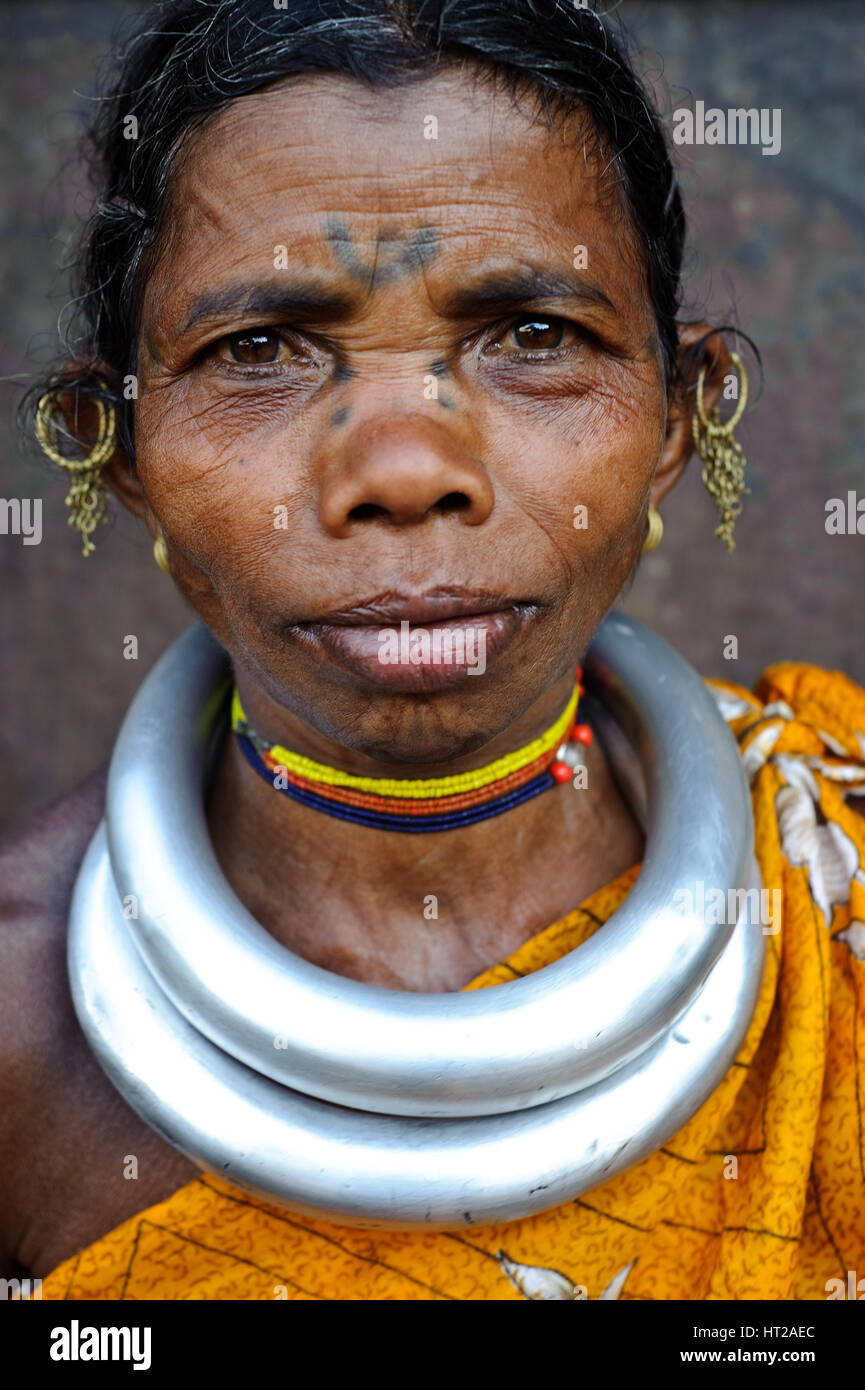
(422, 641)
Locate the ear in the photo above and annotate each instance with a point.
(699, 347)
(81, 420)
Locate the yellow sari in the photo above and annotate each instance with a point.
(760, 1195)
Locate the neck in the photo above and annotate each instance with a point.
(424, 912)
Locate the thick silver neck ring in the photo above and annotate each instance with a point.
(389, 1108)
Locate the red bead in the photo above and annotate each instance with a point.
(583, 734)
(561, 772)
(579, 673)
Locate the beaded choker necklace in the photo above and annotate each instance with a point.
(417, 805)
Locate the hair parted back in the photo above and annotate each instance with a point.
(185, 61)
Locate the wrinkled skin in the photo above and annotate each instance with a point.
(387, 487)
(518, 443)
(541, 402)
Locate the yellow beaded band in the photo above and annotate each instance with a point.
(419, 786)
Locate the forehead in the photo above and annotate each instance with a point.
(449, 151)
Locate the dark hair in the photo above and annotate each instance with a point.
(186, 60)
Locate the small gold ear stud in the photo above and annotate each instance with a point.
(160, 553)
(655, 531)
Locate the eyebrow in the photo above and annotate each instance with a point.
(510, 289)
(500, 290)
(288, 298)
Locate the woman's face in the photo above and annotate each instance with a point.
(374, 387)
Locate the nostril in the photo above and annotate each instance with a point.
(450, 502)
(453, 502)
(365, 511)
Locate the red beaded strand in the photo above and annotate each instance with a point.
(578, 733)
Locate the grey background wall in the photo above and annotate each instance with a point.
(776, 246)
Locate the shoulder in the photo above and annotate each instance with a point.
(38, 867)
(38, 864)
(66, 1132)
(38, 1029)
(828, 703)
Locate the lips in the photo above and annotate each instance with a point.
(430, 606)
(420, 641)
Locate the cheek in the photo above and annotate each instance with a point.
(580, 469)
(234, 483)
(220, 478)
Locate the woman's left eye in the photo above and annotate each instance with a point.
(536, 335)
(539, 333)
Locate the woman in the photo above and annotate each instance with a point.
(380, 342)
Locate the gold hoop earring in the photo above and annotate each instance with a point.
(87, 496)
(160, 554)
(655, 531)
(723, 460)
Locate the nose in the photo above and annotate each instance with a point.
(402, 472)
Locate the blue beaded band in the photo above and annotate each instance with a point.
(411, 825)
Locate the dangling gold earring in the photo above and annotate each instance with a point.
(724, 462)
(160, 553)
(87, 496)
(655, 531)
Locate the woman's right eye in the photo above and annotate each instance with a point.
(262, 347)
(250, 348)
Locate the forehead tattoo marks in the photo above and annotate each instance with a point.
(441, 369)
(342, 372)
(396, 255)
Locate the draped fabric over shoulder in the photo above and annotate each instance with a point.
(760, 1195)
